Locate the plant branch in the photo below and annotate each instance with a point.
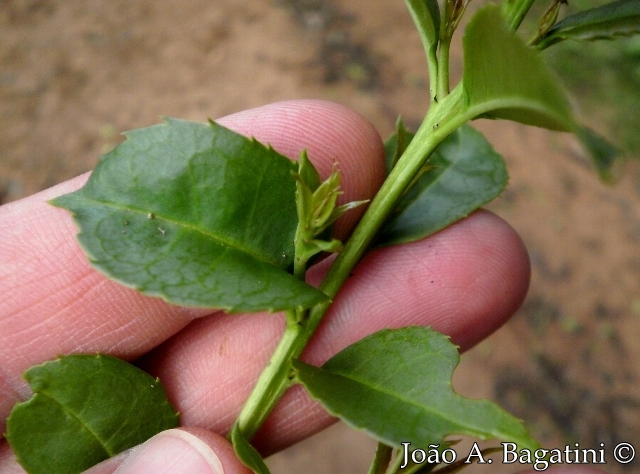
(443, 68)
(381, 459)
(274, 380)
(394, 468)
(442, 119)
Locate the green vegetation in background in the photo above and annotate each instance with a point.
(603, 77)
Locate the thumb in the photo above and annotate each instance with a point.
(176, 451)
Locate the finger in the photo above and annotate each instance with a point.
(55, 303)
(329, 133)
(177, 451)
(464, 281)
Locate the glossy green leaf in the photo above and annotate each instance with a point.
(504, 78)
(85, 409)
(396, 386)
(465, 173)
(621, 18)
(249, 456)
(196, 214)
(602, 153)
(396, 144)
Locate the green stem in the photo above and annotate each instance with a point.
(432, 64)
(381, 460)
(397, 462)
(438, 124)
(299, 267)
(443, 68)
(435, 128)
(273, 382)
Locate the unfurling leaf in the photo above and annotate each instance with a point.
(504, 78)
(452, 14)
(465, 173)
(317, 211)
(547, 20)
(86, 408)
(196, 214)
(396, 386)
(621, 18)
(307, 172)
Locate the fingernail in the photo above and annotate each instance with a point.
(172, 451)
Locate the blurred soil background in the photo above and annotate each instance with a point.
(73, 75)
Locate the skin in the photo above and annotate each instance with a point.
(465, 281)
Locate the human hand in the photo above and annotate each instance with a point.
(464, 281)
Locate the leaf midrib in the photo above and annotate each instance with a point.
(426, 408)
(212, 235)
(82, 423)
(377, 388)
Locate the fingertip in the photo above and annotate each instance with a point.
(498, 259)
(486, 273)
(464, 281)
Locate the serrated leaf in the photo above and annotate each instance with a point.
(196, 214)
(86, 408)
(396, 386)
(621, 18)
(504, 78)
(465, 173)
(247, 453)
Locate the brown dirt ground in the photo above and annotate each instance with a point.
(75, 74)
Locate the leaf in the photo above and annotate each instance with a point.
(465, 173)
(247, 453)
(503, 78)
(603, 154)
(396, 144)
(86, 408)
(514, 11)
(426, 16)
(621, 18)
(396, 386)
(307, 172)
(196, 214)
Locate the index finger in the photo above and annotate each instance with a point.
(55, 303)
